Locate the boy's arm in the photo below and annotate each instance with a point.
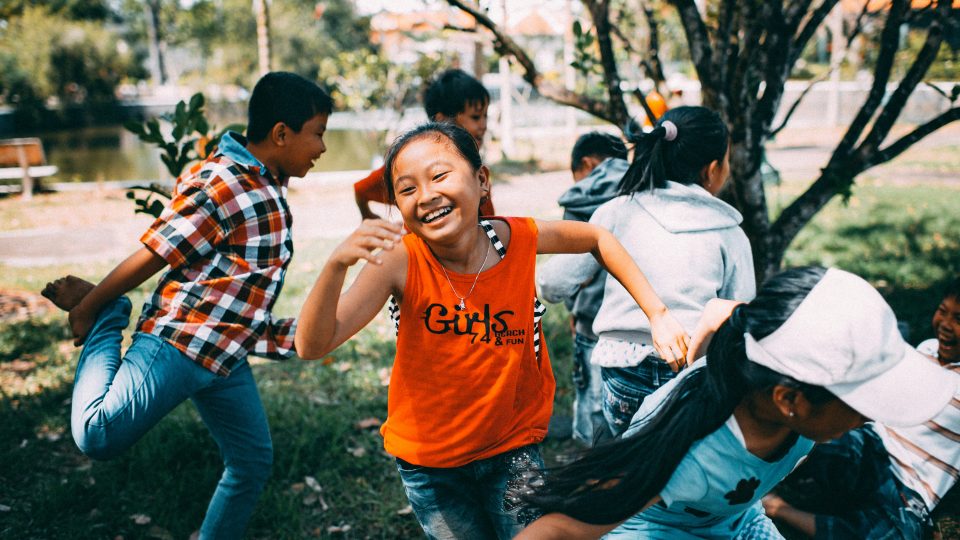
(128, 275)
(669, 338)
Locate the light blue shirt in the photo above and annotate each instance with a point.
(716, 485)
(233, 145)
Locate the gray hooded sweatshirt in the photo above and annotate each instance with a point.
(687, 243)
(579, 202)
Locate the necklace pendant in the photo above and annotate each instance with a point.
(461, 306)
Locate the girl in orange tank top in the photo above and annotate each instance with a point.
(472, 389)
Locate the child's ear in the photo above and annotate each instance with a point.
(279, 134)
(484, 174)
(440, 117)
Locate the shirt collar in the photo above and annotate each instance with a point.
(234, 146)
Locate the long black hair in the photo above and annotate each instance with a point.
(459, 138)
(701, 138)
(614, 481)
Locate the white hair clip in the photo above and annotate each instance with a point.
(671, 130)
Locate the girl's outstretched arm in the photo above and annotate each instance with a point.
(669, 338)
(563, 527)
(328, 318)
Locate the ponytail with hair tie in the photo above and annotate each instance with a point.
(661, 155)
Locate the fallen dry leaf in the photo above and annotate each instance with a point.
(339, 528)
(312, 483)
(297, 487)
(5, 508)
(140, 519)
(358, 451)
(405, 511)
(343, 367)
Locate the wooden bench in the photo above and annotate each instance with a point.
(23, 159)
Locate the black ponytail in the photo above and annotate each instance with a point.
(701, 138)
(614, 481)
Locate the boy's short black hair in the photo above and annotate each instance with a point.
(451, 92)
(285, 97)
(597, 144)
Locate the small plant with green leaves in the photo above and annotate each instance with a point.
(189, 140)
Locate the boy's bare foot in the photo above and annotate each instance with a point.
(67, 292)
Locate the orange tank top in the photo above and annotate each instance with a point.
(468, 385)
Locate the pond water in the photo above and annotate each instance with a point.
(108, 153)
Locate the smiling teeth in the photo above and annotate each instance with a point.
(436, 214)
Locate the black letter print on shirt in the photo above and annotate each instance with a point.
(743, 492)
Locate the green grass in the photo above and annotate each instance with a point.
(905, 240)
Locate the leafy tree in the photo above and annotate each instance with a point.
(743, 51)
(48, 57)
(190, 140)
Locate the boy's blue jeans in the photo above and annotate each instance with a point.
(116, 400)
(625, 388)
(471, 501)
(589, 425)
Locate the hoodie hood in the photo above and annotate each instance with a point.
(598, 187)
(680, 208)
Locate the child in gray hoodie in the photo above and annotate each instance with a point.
(687, 241)
(598, 161)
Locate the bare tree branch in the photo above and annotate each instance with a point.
(857, 28)
(600, 13)
(901, 144)
(653, 48)
(889, 42)
(810, 28)
(508, 47)
(898, 99)
(699, 40)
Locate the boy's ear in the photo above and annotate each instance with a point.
(279, 134)
(440, 117)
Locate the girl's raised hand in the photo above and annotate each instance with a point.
(371, 236)
(670, 340)
(714, 314)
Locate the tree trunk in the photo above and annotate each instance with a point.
(158, 69)
(263, 36)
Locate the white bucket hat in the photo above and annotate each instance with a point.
(844, 337)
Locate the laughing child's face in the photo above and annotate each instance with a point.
(437, 191)
(472, 118)
(946, 325)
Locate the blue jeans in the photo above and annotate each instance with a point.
(625, 388)
(589, 425)
(116, 400)
(473, 501)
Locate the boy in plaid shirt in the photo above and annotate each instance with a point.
(225, 241)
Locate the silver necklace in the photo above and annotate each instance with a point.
(462, 305)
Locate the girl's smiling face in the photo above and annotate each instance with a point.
(437, 191)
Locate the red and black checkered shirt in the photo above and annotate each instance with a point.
(226, 235)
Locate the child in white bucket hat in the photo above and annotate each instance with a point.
(814, 355)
